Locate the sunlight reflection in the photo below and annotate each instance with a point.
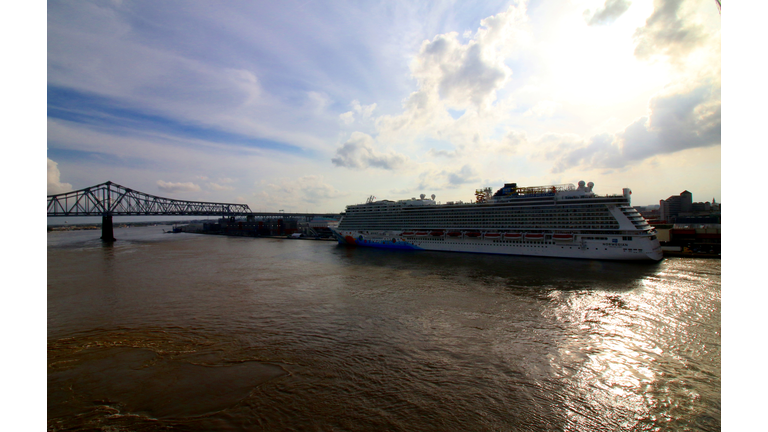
(616, 370)
(632, 359)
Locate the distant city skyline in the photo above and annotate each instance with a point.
(309, 106)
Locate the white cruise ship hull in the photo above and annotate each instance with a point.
(641, 248)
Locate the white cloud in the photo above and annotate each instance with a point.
(676, 122)
(543, 109)
(55, 185)
(358, 152)
(177, 187)
(219, 187)
(116, 64)
(363, 112)
(669, 31)
(456, 75)
(465, 75)
(607, 14)
(347, 118)
(434, 179)
(292, 193)
(221, 184)
(516, 94)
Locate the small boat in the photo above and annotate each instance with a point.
(513, 236)
(534, 236)
(421, 233)
(454, 234)
(437, 233)
(493, 235)
(409, 233)
(473, 234)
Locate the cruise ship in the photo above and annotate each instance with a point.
(563, 221)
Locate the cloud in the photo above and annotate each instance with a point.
(442, 153)
(292, 193)
(678, 121)
(511, 142)
(432, 179)
(667, 33)
(177, 187)
(55, 186)
(358, 152)
(454, 75)
(218, 187)
(543, 109)
(362, 111)
(222, 184)
(469, 74)
(609, 13)
(100, 50)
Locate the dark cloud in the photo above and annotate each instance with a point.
(358, 153)
(609, 13)
(667, 33)
(677, 122)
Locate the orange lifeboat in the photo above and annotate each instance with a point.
(421, 233)
(473, 234)
(437, 233)
(492, 235)
(409, 233)
(454, 234)
(513, 236)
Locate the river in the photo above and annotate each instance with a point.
(191, 332)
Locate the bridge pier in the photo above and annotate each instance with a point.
(107, 231)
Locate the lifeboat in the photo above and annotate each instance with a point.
(437, 233)
(513, 236)
(409, 233)
(454, 234)
(492, 235)
(421, 233)
(562, 237)
(473, 234)
(534, 236)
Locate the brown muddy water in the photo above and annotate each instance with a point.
(189, 332)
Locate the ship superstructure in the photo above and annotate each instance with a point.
(556, 220)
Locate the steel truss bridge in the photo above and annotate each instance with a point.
(110, 199)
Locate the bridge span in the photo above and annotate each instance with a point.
(111, 199)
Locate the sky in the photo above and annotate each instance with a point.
(314, 105)
(310, 106)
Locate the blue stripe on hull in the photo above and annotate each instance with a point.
(381, 244)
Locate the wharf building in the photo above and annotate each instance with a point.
(318, 227)
(686, 226)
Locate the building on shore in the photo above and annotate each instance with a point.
(684, 226)
(681, 208)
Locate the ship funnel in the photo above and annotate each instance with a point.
(422, 196)
(590, 185)
(433, 197)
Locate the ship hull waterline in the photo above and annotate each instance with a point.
(639, 249)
